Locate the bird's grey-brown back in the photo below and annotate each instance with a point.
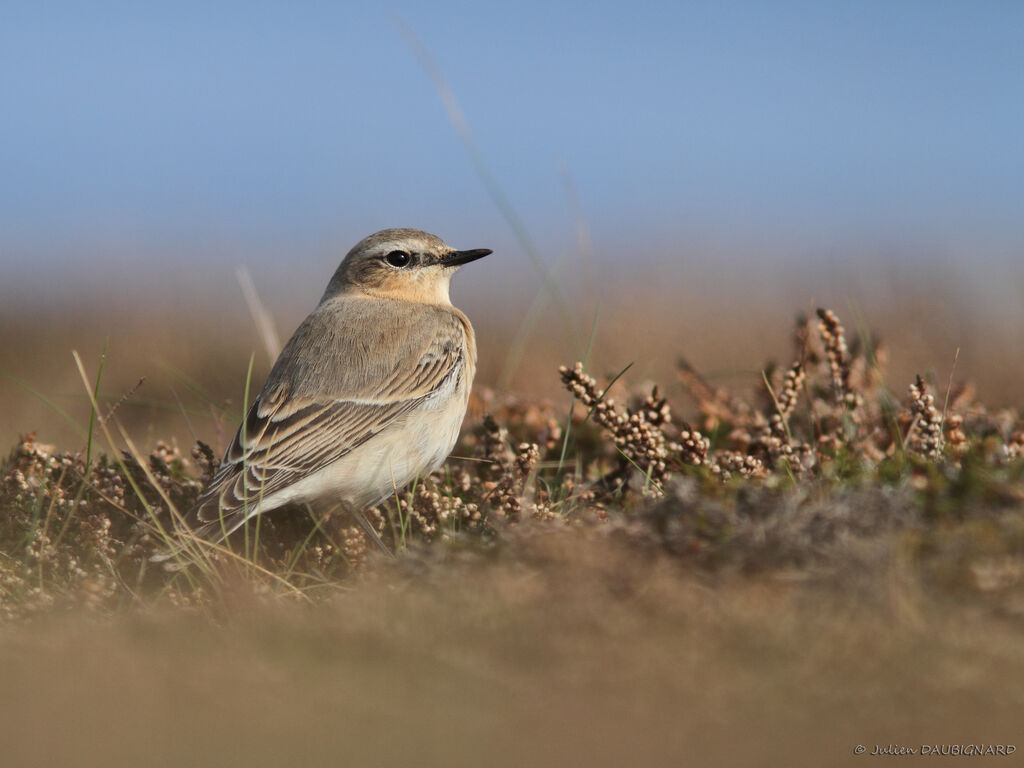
(369, 392)
(352, 345)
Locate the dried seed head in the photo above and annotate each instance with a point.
(926, 436)
(787, 399)
(834, 338)
(637, 434)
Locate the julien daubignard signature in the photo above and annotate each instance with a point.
(979, 750)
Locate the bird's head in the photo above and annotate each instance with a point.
(401, 264)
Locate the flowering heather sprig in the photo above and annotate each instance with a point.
(956, 438)
(494, 447)
(584, 389)
(655, 410)
(926, 435)
(508, 493)
(527, 456)
(729, 463)
(639, 439)
(768, 439)
(432, 507)
(834, 337)
(787, 399)
(693, 446)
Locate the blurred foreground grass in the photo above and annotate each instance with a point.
(558, 648)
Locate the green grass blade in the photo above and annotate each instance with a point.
(95, 400)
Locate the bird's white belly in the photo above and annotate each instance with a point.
(385, 463)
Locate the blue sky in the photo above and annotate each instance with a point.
(814, 129)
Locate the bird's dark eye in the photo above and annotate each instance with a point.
(398, 259)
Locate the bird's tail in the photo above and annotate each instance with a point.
(194, 542)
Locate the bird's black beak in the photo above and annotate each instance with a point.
(456, 258)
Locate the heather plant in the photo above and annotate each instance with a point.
(823, 456)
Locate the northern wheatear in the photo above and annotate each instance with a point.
(368, 393)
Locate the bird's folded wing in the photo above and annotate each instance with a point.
(285, 438)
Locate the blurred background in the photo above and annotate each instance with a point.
(666, 179)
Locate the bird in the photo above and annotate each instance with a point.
(368, 394)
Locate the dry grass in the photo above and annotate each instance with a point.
(559, 647)
(825, 453)
(822, 563)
